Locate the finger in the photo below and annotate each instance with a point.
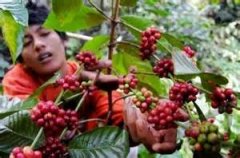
(164, 148)
(104, 64)
(170, 135)
(181, 115)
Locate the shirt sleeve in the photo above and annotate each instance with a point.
(18, 85)
(99, 102)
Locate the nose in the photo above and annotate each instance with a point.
(39, 44)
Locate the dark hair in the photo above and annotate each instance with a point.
(38, 14)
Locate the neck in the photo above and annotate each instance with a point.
(44, 77)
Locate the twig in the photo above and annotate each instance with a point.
(122, 98)
(128, 43)
(99, 10)
(93, 119)
(37, 137)
(156, 57)
(78, 36)
(130, 26)
(110, 53)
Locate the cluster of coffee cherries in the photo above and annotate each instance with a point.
(88, 59)
(148, 42)
(25, 152)
(204, 136)
(164, 115)
(128, 82)
(53, 148)
(87, 86)
(144, 99)
(182, 92)
(69, 82)
(224, 99)
(52, 118)
(189, 52)
(164, 67)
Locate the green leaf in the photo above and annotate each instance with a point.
(138, 22)
(96, 45)
(235, 122)
(13, 33)
(39, 90)
(99, 143)
(17, 10)
(185, 151)
(129, 3)
(1, 89)
(209, 80)
(126, 57)
(173, 40)
(66, 10)
(12, 108)
(17, 130)
(183, 65)
(159, 12)
(85, 18)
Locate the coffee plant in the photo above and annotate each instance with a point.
(50, 129)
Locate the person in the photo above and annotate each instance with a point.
(43, 54)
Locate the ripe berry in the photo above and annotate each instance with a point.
(25, 152)
(69, 82)
(182, 92)
(162, 116)
(88, 60)
(127, 83)
(53, 148)
(189, 52)
(223, 99)
(148, 42)
(164, 68)
(49, 116)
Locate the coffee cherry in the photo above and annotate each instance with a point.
(87, 86)
(148, 42)
(182, 92)
(206, 134)
(164, 68)
(88, 60)
(144, 99)
(162, 116)
(53, 148)
(223, 99)
(49, 116)
(25, 152)
(69, 82)
(189, 52)
(127, 83)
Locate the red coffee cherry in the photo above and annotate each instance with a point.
(182, 92)
(164, 67)
(189, 52)
(148, 42)
(88, 59)
(224, 99)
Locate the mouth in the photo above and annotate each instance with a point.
(44, 57)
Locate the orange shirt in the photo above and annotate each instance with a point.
(20, 82)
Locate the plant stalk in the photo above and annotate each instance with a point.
(111, 46)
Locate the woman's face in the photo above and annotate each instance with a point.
(43, 50)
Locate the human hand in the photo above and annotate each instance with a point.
(103, 81)
(160, 141)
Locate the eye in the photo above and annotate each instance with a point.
(27, 42)
(44, 33)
